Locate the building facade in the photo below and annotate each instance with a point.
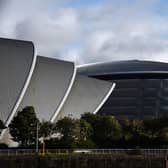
(57, 88)
(141, 87)
(50, 85)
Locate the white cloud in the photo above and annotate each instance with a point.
(116, 30)
(50, 34)
(131, 31)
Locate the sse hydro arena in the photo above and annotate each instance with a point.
(141, 87)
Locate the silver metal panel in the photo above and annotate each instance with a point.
(125, 68)
(87, 95)
(49, 86)
(16, 60)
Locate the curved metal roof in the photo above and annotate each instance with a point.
(49, 87)
(133, 67)
(16, 67)
(87, 95)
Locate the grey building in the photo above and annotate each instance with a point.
(17, 62)
(141, 87)
(87, 95)
(56, 88)
(51, 86)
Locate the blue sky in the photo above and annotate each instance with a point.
(86, 2)
(88, 31)
(79, 3)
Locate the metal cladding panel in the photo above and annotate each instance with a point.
(48, 87)
(87, 95)
(16, 59)
(123, 69)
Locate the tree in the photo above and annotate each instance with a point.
(46, 129)
(69, 132)
(92, 119)
(163, 137)
(138, 132)
(107, 132)
(23, 126)
(2, 126)
(157, 130)
(126, 129)
(106, 129)
(86, 131)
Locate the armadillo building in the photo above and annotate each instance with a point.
(57, 88)
(141, 87)
(51, 86)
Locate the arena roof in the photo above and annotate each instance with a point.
(51, 86)
(17, 62)
(126, 69)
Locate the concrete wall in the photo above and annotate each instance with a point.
(16, 62)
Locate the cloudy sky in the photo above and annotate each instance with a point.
(89, 31)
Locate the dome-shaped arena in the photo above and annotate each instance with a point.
(141, 87)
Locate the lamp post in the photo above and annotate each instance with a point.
(37, 137)
(43, 150)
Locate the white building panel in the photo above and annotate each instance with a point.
(87, 95)
(17, 61)
(49, 87)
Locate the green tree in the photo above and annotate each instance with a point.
(46, 129)
(86, 131)
(152, 127)
(69, 132)
(126, 128)
(106, 129)
(107, 132)
(156, 131)
(163, 137)
(92, 119)
(126, 133)
(138, 132)
(2, 126)
(23, 126)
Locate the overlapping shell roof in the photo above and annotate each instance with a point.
(51, 86)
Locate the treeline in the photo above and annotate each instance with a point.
(90, 131)
(100, 131)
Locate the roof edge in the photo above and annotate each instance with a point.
(27, 82)
(66, 94)
(105, 98)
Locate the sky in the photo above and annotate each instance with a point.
(89, 31)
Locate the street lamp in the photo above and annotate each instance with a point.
(37, 137)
